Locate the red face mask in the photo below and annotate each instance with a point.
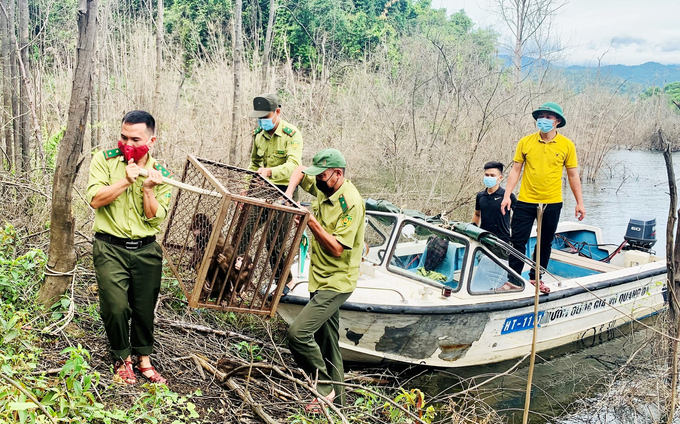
(133, 152)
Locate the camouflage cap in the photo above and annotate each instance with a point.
(264, 104)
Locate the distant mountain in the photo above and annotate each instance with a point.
(645, 75)
(634, 78)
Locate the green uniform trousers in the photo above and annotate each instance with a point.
(314, 337)
(129, 283)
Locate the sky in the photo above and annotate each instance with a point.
(627, 32)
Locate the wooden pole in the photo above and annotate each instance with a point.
(143, 172)
(671, 250)
(537, 293)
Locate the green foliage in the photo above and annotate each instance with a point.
(20, 276)
(413, 401)
(368, 406)
(197, 25)
(52, 146)
(672, 90)
(651, 92)
(316, 32)
(72, 397)
(247, 351)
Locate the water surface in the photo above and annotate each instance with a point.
(632, 184)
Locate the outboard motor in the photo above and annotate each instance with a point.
(641, 233)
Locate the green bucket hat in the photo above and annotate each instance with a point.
(325, 159)
(551, 107)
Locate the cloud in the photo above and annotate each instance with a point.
(625, 41)
(670, 45)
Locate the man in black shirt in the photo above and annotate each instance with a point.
(488, 203)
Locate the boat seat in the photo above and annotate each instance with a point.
(449, 265)
(573, 259)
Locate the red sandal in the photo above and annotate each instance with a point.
(126, 374)
(155, 377)
(542, 287)
(315, 407)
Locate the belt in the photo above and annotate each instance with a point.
(129, 244)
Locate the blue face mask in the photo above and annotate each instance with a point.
(545, 125)
(490, 182)
(266, 123)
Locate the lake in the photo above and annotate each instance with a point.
(633, 184)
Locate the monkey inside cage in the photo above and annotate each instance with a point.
(231, 241)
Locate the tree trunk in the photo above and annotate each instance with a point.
(238, 51)
(6, 120)
(159, 63)
(14, 75)
(24, 132)
(104, 33)
(62, 257)
(268, 44)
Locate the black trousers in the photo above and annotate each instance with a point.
(523, 217)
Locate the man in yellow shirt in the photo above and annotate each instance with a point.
(542, 155)
(129, 210)
(337, 223)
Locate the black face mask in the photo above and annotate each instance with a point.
(324, 187)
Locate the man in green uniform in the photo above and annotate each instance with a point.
(129, 210)
(277, 151)
(337, 223)
(277, 145)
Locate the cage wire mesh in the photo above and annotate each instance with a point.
(232, 249)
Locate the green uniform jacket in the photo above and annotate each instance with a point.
(124, 217)
(344, 216)
(281, 151)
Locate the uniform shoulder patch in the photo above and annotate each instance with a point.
(112, 153)
(289, 131)
(257, 130)
(164, 171)
(346, 220)
(343, 202)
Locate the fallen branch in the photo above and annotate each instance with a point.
(250, 401)
(48, 372)
(235, 387)
(224, 376)
(28, 395)
(205, 329)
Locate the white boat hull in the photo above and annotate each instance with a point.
(396, 316)
(473, 338)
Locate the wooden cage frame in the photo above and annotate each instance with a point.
(242, 204)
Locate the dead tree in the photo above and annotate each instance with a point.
(268, 45)
(238, 52)
(6, 121)
(11, 12)
(62, 257)
(24, 133)
(528, 21)
(159, 60)
(672, 264)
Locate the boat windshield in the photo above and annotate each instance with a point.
(379, 229)
(428, 255)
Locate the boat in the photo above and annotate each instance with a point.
(468, 308)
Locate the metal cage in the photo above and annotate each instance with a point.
(232, 244)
